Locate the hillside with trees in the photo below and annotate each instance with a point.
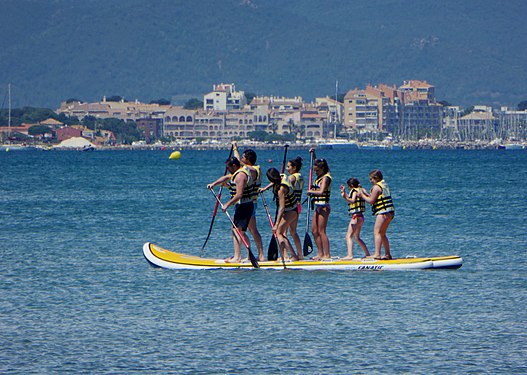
(470, 50)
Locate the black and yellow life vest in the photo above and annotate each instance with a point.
(290, 197)
(298, 186)
(359, 206)
(257, 183)
(246, 196)
(324, 198)
(384, 202)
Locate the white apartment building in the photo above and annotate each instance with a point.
(224, 97)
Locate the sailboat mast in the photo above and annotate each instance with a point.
(336, 119)
(9, 111)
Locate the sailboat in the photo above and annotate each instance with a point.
(8, 146)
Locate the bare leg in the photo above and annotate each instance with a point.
(316, 236)
(295, 236)
(322, 222)
(379, 234)
(356, 236)
(349, 241)
(236, 258)
(257, 238)
(285, 223)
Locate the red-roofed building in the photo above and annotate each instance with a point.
(67, 132)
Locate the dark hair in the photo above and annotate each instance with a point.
(232, 161)
(322, 164)
(250, 155)
(296, 163)
(273, 175)
(376, 174)
(353, 182)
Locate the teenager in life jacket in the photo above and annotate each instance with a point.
(320, 193)
(356, 209)
(248, 161)
(382, 207)
(287, 211)
(297, 182)
(239, 182)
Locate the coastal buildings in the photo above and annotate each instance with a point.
(224, 97)
(409, 111)
(123, 110)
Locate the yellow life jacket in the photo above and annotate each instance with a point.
(298, 186)
(324, 198)
(359, 206)
(290, 197)
(246, 196)
(257, 183)
(384, 202)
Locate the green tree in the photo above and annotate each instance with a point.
(161, 102)
(250, 96)
(39, 130)
(193, 103)
(115, 98)
(125, 132)
(259, 136)
(89, 121)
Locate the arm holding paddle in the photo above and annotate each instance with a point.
(240, 180)
(220, 181)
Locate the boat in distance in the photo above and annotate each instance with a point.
(163, 258)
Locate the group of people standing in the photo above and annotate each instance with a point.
(244, 181)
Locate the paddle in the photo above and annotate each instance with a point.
(253, 260)
(274, 243)
(215, 209)
(272, 251)
(308, 244)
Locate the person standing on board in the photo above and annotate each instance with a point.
(297, 182)
(356, 209)
(287, 211)
(320, 192)
(248, 161)
(238, 180)
(384, 210)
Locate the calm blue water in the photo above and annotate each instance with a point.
(77, 296)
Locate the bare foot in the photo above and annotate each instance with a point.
(232, 260)
(316, 257)
(386, 257)
(349, 257)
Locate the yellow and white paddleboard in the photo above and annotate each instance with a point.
(160, 257)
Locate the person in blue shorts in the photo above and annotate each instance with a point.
(239, 182)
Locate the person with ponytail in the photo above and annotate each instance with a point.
(320, 193)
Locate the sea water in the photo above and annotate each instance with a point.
(77, 296)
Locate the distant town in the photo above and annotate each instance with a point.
(380, 116)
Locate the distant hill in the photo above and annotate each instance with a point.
(472, 51)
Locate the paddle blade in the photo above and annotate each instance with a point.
(308, 245)
(253, 260)
(272, 251)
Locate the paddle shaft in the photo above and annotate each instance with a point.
(310, 182)
(240, 234)
(272, 226)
